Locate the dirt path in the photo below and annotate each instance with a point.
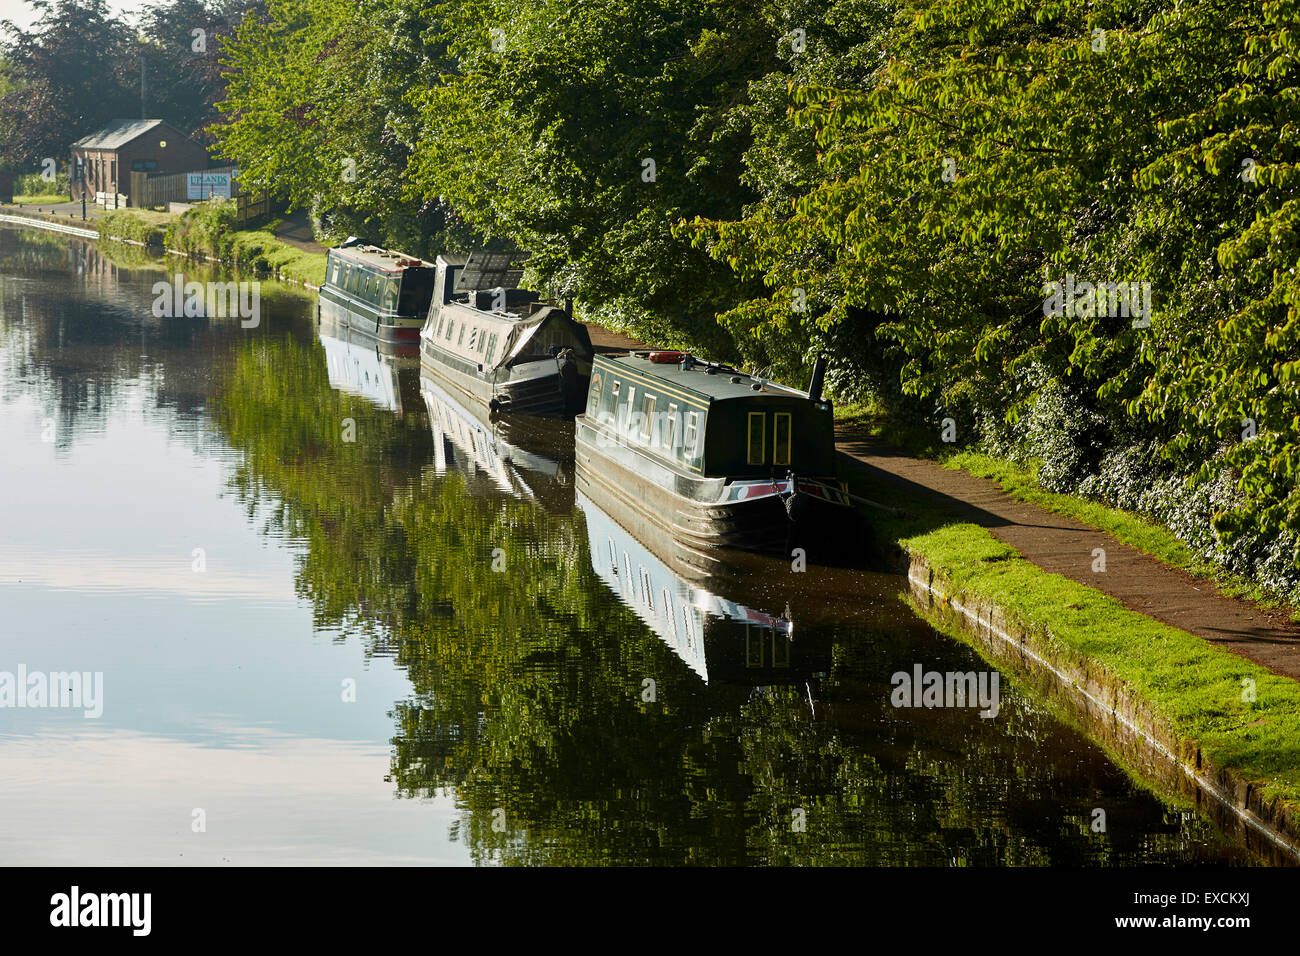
(604, 341)
(1063, 546)
(296, 231)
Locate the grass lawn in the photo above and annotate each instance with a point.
(43, 200)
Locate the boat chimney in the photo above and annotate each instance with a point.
(818, 375)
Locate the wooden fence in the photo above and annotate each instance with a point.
(155, 189)
(247, 208)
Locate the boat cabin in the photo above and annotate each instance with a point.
(709, 420)
(380, 282)
(479, 329)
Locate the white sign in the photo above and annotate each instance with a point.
(208, 185)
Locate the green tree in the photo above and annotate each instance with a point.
(72, 73)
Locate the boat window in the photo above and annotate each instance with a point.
(781, 438)
(757, 434)
(482, 341)
(451, 328)
(473, 337)
(780, 650)
(441, 320)
(669, 434)
(613, 558)
(754, 649)
(460, 339)
(648, 412)
(390, 295)
(631, 404)
(668, 612)
(491, 348)
(647, 594)
(417, 291)
(337, 270)
(611, 412)
(690, 451)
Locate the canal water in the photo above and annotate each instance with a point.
(332, 618)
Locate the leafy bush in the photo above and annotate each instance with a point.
(204, 230)
(34, 184)
(123, 224)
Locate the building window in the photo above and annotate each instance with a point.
(757, 437)
(781, 438)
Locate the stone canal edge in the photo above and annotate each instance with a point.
(1106, 706)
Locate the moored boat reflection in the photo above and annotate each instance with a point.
(521, 456)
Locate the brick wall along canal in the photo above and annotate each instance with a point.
(312, 585)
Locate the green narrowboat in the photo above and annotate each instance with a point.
(712, 455)
(500, 346)
(376, 291)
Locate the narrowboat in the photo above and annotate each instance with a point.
(713, 456)
(516, 456)
(382, 293)
(714, 624)
(503, 347)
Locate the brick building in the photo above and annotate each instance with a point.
(109, 156)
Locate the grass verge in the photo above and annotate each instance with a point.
(48, 199)
(1195, 687)
(209, 231)
(262, 250)
(137, 226)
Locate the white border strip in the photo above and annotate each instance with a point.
(1207, 785)
(50, 226)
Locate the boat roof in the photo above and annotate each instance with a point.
(717, 386)
(386, 260)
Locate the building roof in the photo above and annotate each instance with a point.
(717, 386)
(117, 134)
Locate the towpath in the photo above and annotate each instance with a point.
(1064, 546)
